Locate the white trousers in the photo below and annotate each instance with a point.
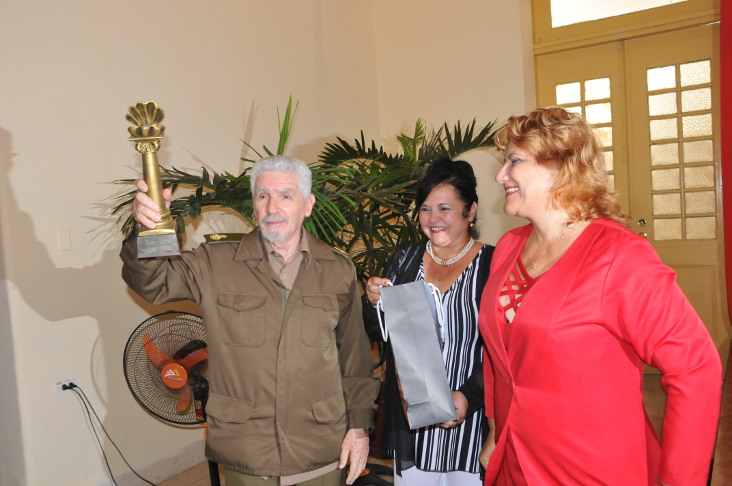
(417, 477)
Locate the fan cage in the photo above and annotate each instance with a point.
(169, 331)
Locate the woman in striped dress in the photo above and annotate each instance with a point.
(451, 259)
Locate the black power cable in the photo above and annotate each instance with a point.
(89, 410)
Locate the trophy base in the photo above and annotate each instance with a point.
(157, 245)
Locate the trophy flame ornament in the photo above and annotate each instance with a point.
(147, 132)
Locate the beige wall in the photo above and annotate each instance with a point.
(70, 70)
(460, 60)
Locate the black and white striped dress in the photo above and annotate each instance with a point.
(457, 449)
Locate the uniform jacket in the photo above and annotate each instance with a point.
(569, 388)
(289, 371)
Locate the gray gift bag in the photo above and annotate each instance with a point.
(413, 325)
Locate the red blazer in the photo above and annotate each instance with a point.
(569, 389)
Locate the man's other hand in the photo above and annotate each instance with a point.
(354, 450)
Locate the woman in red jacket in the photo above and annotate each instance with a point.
(574, 306)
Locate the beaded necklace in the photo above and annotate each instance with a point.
(452, 260)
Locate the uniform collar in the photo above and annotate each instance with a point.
(251, 247)
(302, 247)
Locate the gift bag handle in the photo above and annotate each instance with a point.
(436, 296)
(379, 312)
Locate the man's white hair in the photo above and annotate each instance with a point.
(289, 165)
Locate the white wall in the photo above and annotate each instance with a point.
(218, 69)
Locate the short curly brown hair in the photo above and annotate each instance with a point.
(565, 141)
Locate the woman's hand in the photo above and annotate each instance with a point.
(489, 445)
(373, 288)
(461, 410)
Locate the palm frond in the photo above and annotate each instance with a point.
(342, 151)
(410, 144)
(459, 142)
(285, 126)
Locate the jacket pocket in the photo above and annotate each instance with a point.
(319, 319)
(330, 410)
(242, 316)
(228, 410)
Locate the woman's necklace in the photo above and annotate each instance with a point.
(452, 260)
(549, 257)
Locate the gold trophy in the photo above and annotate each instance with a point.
(147, 132)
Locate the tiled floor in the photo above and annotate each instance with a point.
(654, 399)
(195, 476)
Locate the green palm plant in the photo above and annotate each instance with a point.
(364, 195)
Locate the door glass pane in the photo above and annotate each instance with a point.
(699, 177)
(667, 229)
(609, 160)
(662, 104)
(661, 78)
(699, 151)
(665, 154)
(666, 204)
(699, 72)
(665, 179)
(701, 228)
(697, 125)
(700, 202)
(696, 99)
(598, 113)
(568, 93)
(597, 89)
(604, 136)
(661, 129)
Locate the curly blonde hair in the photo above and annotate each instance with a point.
(565, 141)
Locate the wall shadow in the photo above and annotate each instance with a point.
(12, 462)
(61, 296)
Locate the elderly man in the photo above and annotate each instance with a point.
(291, 382)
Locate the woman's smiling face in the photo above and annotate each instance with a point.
(527, 183)
(441, 217)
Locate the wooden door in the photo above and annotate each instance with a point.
(675, 181)
(654, 103)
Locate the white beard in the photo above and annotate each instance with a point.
(272, 236)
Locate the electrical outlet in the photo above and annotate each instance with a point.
(61, 383)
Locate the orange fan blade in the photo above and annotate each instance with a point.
(194, 357)
(184, 400)
(157, 357)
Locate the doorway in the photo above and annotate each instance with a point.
(654, 100)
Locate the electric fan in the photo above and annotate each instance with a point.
(166, 367)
